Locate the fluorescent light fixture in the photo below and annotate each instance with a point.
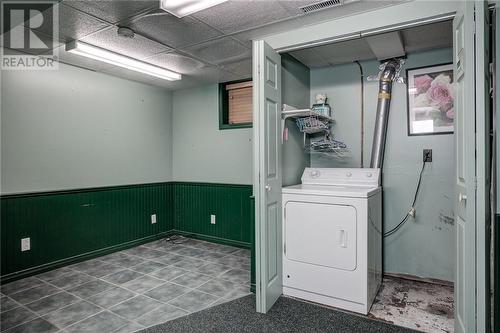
(181, 8)
(96, 53)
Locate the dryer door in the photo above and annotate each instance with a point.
(321, 234)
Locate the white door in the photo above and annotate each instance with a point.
(470, 154)
(267, 174)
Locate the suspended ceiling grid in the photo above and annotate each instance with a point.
(213, 45)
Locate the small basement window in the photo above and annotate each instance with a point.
(235, 104)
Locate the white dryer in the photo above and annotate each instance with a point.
(332, 242)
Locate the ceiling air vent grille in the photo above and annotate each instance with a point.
(320, 5)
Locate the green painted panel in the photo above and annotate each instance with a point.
(70, 223)
(496, 278)
(195, 202)
(74, 225)
(252, 237)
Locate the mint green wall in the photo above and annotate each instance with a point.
(74, 135)
(425, 245)
(295, 86)
(202, 152)
(74, 128)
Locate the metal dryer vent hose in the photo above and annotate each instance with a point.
(387, 76)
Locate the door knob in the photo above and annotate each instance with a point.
(462, 197)
(268, 187)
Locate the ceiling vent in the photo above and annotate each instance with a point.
(321, 5)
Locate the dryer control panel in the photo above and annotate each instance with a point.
(342, 176)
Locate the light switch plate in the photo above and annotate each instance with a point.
(25, 244)
(153, 218)
(212, 219)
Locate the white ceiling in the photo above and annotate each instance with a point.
(213, 45)
(421, 38)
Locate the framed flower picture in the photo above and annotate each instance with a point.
(430, 100)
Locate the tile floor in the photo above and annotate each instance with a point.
(425, 307)
(127, 291)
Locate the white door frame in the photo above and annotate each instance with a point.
(483, 179)
(385, 19)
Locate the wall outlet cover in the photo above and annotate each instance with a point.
(427, 155)
(153, 218)
(25, 244)
(212, 219)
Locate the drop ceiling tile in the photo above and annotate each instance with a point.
(113, 11)
(427, 37)
(233, 16)
(214, 74)
(172, 31)
(343, 52)
(349, 8)
(137, 47)
(176, 62)
(246, 37)
(309, 57)
(241, 68)
(74, 24)
(220, 51)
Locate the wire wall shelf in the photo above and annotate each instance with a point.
(312, 125)
(301, 113)
(310, 122)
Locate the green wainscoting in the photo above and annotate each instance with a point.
(195, 202)
(71, 226)
(496, 275)
(252, 248)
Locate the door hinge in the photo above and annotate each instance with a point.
(284, 248)
(474, 26)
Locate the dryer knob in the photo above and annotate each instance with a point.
(369, 175)
(315, 174)
(348, 174)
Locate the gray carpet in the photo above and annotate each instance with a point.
(287, 315)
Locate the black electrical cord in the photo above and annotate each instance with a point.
(177, 239)
(362, 134)
(403, 221)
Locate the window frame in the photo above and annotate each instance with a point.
(224, 107)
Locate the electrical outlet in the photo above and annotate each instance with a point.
(427, 155)
(212, 219)
(153, 218)
(25, 244)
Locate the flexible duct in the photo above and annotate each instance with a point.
(384, 103)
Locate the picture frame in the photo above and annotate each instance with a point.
(430, 100)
